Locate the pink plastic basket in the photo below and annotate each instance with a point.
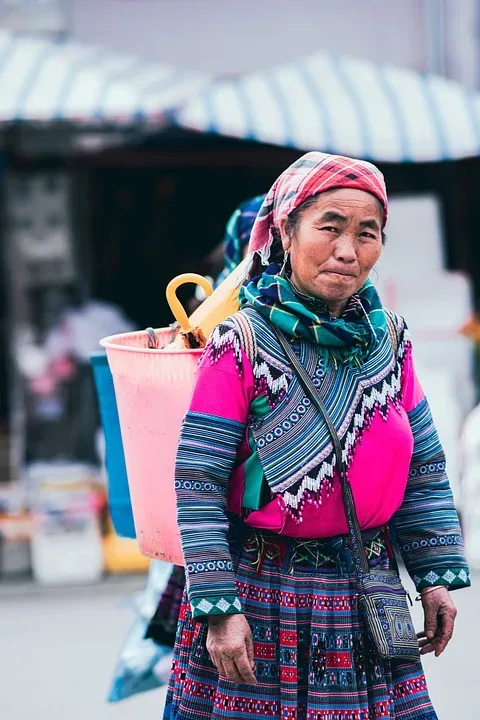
(153, 389)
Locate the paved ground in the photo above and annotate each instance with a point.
(58, 649)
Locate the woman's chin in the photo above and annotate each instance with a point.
(334, 291)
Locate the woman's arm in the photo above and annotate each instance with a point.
(426, 526)
(212, 432)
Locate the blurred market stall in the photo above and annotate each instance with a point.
(114, 225)
(45, 82)
(345, 106)
(59, 98)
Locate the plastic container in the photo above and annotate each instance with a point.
(153, 389)
(122, 556)
(66, 553)
(66, 541)
(119, 501)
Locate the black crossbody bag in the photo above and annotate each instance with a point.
(382, 599)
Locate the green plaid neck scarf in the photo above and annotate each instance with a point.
(347, 339)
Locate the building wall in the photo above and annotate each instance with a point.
(462, 41)
(234, 36)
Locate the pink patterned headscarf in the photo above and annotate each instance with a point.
(312, 174)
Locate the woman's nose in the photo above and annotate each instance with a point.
(345, 248)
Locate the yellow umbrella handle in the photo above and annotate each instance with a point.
(175, 305)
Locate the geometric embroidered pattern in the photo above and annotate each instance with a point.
(424, 543)
(352, 398)
(215, 606)
(303, 653)
(425, 527)
(383, 602)
(450, 578)
(226, 565)
(400, 623)
(434, 467)
(304, 552)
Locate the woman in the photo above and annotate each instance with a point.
(232, 250)
(163, 625)
(270, 625)
(237, 235)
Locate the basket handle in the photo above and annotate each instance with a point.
(175, 305)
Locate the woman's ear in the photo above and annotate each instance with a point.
(284, 236)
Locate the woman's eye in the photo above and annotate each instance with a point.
(368, 235)
(330, 228)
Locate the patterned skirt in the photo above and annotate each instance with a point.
(313, 658)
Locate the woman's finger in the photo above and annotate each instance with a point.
(231, 672)
(446, 632)
(216, 660)
(428, 648)
(250, 650)
(244, 669)
(430, 625)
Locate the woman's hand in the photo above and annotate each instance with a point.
(440, 614)
(230, 646)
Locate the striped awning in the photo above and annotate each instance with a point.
(44, 81)
(345, 106)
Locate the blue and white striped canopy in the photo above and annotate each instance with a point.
(344, 106)
(44, 81)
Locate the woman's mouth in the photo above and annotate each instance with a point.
(341, 275)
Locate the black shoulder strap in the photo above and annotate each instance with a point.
(354, 529)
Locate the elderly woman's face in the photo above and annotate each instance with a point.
(337, 242)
